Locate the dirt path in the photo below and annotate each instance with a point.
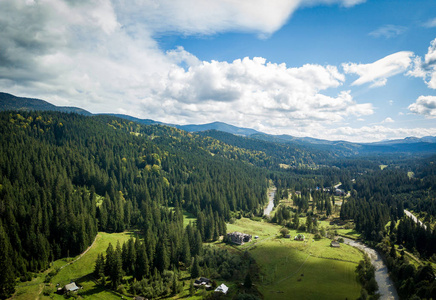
(80, 256)
(415, 219)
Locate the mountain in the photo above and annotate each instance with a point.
(408, 140)
(137, 120)
(342, 148)
(11, 102)
(219, 126)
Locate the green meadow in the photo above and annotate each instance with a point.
(73, 269)
(309, 269)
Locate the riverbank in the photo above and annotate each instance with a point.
(386, 287)
(271, 194)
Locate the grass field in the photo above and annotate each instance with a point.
(77, 271)
(328, 273)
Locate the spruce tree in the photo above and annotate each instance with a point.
(195, 270)
(7, 277)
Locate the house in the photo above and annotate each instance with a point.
(71, 287)
(222, 289)
(340, 192)
(299, 237)
(203, 281)
(238, 238)
(335, 244)
(256, 237)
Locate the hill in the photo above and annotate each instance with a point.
(407, 146)
(11, 102)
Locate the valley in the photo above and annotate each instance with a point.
(124, 209)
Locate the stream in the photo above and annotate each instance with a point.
(269, 208)
(386, 287)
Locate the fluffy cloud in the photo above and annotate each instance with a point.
(388, 120)
(207, 17)
(378, 71)
(388, 31)
(424, 105)
(255, 93)
(426, 69)
(102, 56)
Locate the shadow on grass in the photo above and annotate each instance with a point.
(95, 290)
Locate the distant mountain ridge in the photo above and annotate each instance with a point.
(425, 144)
(219, 126)
(11, 102)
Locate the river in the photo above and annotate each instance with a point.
(271, 195)
(386, 287)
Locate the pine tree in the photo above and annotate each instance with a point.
(117, 268)
(99, 266)
(7, 277)
(247, 281)
(195, 270)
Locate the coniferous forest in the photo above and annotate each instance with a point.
(65, 177)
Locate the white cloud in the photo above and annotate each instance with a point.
(375, 133)
(388, 120)
(388, 31)
(103, 56)
(250, 92)
(378, 71)
(207, 17)
(426, 69)
(345, 3)
(430, 23)
(424, 105)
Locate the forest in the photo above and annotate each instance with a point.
(64, 177)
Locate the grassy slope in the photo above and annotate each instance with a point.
(78, 271)
(329, 273)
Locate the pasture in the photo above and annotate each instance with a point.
(309, 269)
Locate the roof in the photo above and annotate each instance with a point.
(222, 288)
(71, 287)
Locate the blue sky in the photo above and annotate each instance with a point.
(353, 70)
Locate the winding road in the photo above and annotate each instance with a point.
(415, 219)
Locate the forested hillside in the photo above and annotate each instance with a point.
(63, 177)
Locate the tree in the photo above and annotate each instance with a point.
(99, 266)
(195, 269)
(117, 268)
(7, 277)
(295, 221)
(247, 281)
(284, 231)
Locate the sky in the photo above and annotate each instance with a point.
(353, 70)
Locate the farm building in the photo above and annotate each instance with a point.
(238, 238)
(203, 281)
(222, 289)
(340, 192)
(71, 287)
(299, 237)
